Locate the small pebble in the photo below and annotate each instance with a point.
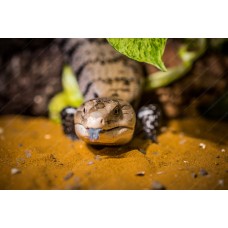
(218, 156)
(203, 172)
(157, 186)
(140, 173)
(47, 136)
(1, 130)
(90, 163)
(28, 154)
(76, 185)
(202, 145)
(160, 172)
(20, 144)
(68, 176)
(223, 150)
(15, 171)
(194, 175)
(186, 162)
(221, 182)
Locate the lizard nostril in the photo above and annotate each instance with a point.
(102, 121)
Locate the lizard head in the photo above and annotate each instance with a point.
(105, 121)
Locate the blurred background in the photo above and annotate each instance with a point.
(31, 75)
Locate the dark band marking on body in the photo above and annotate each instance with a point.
(124, 90)
(106, 81)
(95, 95)
(126, 81)
(115, 95)
(82, 42)
(84, 65)
(87, 88)
(74, 49)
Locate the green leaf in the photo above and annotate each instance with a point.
(148, 50)
(70, 87)
(70, 96)
(188, 57)
(56, 105)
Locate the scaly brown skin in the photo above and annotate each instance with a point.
(110, 84)
(103, 72)
(114, 117)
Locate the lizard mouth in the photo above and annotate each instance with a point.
(112, 136)
(115, 129)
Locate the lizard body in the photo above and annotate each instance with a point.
(111, 85)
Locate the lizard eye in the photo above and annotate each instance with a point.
(84, 110)
(116, 111)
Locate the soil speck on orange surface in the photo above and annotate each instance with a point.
(140, 173)
(47, 159)
(15, 171)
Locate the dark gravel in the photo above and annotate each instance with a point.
(156, 185)
(68, 176)
(203, 172)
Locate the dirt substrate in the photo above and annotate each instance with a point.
(34, 154)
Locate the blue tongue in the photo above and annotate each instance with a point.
(94, 133)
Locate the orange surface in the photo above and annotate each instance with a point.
(46, 159)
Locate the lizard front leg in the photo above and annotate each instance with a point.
(149, 117)
(67, 117)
